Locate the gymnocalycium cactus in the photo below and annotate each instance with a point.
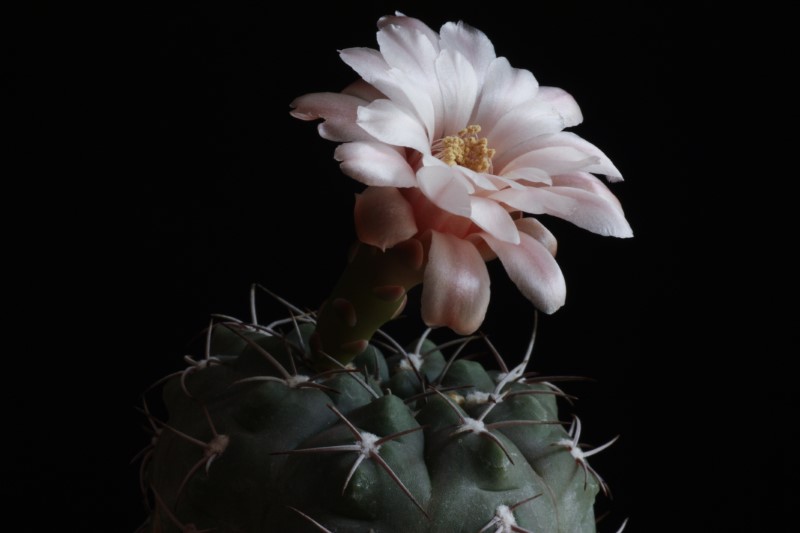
(322, 422)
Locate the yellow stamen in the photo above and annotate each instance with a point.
(467, 149)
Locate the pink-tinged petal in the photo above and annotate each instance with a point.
(455, 289)
(339, 112)
(389, 124)
(478, 178)
(567, 138)
(587, 182)
(502, 182)
(441, 185)
(410, 23)
(538, 231)
(363, 90)
(564, 104)
(584, 209)
(460, 174)
(529, 174)
(403, 91)
(534, 271)
(487, 254)
(552, 160)
(491, 217)
(561, 139)
(600, 215)
(383, 217)
(505, 87)
(374, 163)
(528, 120)
(471, 43)
(459, 88)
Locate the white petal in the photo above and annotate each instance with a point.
(459, 87)
(410, 23)
(528, 120)
(367, 62)
(564, 104)
(584, 209)
(409, 50)
(456, 285)
(552, 160)
(538, 231)
(563, 138)
(493, 219)
(587, 182)
(374, 163)
(390, 124)
(443, 188)
(502, 182)
(383, 217)
(412, 55)
(505, 87)
(339, 112)
(471, 43)
(394, 83)
(533, 270)
(534, 175)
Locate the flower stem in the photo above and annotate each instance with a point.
(371, 291)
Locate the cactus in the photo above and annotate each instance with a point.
(319, 421)
(406, 439)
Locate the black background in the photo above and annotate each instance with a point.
(193, 182)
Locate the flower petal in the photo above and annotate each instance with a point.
(383, 217)
(529, 174)
(529, 120)
(564, 139)
(470, 43)
(363, 90)
(584, 209)
(552, 160)
(374, 163)
(410, 23)
(534, 271)
(538, 231)
(411, 54)
(398, 87)
(408, 50)
(597, 214)
(491, 217)
(339, 112)
(459, 88)
(564, 104)
(587, 182)
(505, 87)
(455, 290)
(480, 179)
(443, 188)
(385, 121)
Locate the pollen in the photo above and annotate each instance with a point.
(466, 149)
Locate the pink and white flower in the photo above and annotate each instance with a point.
(455, 145)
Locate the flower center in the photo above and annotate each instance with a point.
(466, 149)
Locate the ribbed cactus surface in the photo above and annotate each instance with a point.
(413, 438)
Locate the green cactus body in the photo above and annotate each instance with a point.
(408, 442)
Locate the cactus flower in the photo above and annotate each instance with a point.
(455, 146)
